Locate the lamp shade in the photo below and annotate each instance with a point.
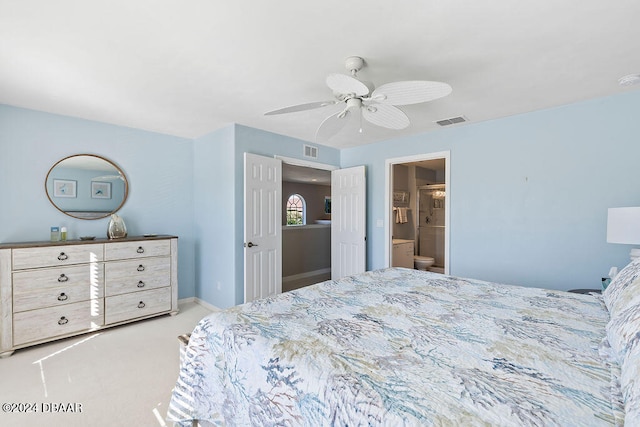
(623, 226)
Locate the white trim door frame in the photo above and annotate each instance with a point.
(306, 163)
(389, 163)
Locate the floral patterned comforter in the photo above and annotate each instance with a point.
(400, 347)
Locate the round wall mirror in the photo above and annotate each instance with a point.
(86, 186)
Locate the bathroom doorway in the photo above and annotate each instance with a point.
(417, 210)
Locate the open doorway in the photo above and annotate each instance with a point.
(264, 222)
(306, 225)
(417, 205)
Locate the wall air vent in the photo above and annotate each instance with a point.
(452, 121)
(310, 151)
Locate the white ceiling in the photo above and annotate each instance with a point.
(187, 68)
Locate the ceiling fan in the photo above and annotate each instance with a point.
(376, 105)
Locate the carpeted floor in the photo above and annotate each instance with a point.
(121, 376)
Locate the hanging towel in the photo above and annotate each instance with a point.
(403, 215)
(397, 214)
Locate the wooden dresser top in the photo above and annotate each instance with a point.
(83, 242)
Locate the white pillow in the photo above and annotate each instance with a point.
(626, 277)
(623, 331)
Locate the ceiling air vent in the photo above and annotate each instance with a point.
(310, 151)
(452, 121)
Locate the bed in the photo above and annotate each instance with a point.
(401, 347)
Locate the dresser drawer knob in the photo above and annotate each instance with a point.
(140, 284)
(140, 267)
(140, 250)
(63, 297)
(63, 321)
(63, 256)
(63, 278)
(141, 304)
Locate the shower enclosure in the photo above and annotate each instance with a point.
(431, 225)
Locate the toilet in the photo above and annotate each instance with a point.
(422, 262)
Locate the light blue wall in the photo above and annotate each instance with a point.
(215, 221)
(529, 193)
(158, 167)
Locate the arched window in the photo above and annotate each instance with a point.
(296, 210)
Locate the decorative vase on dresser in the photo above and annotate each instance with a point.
(53, 290)
(116, 229)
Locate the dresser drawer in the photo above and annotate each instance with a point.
(53, 297)
(73, 275)
(138, 304)
(139, 275)
(49, 287)
(36, 325)
(51, 256)
(138, 249)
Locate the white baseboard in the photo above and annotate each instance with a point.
(306, 275)
(198, 301)
(206, 305)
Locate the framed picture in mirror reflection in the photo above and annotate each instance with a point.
(100, 190)
(64, 188)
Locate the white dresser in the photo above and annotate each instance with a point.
(55, 290)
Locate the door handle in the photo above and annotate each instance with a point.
(250, 245)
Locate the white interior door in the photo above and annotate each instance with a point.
(348, 222)
(262, 226)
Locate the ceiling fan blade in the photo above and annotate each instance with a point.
(332, 125)
(410, 92)
(343, 84)
(386, 116)
(301, 107)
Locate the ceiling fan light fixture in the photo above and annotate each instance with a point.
(354, 103)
